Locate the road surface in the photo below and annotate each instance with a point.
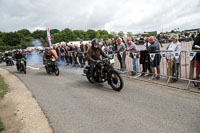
(73, 105)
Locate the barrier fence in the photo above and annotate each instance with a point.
(173, 65)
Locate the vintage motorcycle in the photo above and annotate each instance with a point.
(21, 65)
(52, 67)
(102, 71)
(9, 61)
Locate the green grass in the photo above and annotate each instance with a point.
(1, 126)
(3, 88)
(3, 91)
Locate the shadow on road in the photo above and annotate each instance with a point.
(89, 86)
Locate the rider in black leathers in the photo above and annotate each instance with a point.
(18, 57)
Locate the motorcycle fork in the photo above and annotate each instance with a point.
(102, 68)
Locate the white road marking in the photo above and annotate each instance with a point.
(34, 68)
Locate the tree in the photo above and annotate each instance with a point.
(12, 38)
(172, 31)
(53, 31)
(91, 34)
(129, 34)
(121, 34)
(80, 35)
(24, 32)
(39, 34)
(103, 34)
(114, 34)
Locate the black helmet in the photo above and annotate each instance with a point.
(95, 41)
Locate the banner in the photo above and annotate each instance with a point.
(152, 56)
(176, 55)
(134, 55)
(192, 54)
(127, 53)
(49, 37)
(163, 54)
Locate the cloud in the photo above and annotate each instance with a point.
(112, 15)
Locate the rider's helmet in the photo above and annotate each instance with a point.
(47, 49)
(95, 41)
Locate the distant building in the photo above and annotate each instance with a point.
(193, 30)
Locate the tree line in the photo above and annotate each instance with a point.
(23, 38)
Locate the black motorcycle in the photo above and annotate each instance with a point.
(9, 61)
(52, 67)
(102, 71)
(21, 65)
(1, 59)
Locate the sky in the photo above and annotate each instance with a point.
(134, 16)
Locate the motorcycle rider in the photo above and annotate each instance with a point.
(18, 57)
(7, 54)
(94, 54)
(48, 55)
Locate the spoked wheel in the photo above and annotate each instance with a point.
(116, 81)
(56, 71)
(24, 69)
(90, 79)
(47, 69)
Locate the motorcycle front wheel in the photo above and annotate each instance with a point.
(56, 71)
(90, 79)
(116, 81)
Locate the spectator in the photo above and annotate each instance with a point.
(196, 46)
(155, 63)
(131, 47)
(121, 54)
(173, 63)
(81, 51)
(145, 59)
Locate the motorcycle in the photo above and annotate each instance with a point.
(1, 59)
(52, 67)
(9, 61)
(102, 71)
(21, 65)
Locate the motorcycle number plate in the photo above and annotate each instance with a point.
(22, 61)
(53, 59)
(112, 61)
(9, 57)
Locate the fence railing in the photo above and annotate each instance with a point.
(173, 65)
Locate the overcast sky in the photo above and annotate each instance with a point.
(113, 15)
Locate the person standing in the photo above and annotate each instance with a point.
(121, 54)
(145, 59)
(131, 47)
(173, 63)
(155, 63)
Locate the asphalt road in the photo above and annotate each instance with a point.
(73, 105)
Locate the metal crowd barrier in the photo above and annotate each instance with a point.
(186, 63)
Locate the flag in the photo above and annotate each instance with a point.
(192, 54)
(152, 56)
(49, 37)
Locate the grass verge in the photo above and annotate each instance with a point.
(3, 87)
(1, 126)
(3, 91)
